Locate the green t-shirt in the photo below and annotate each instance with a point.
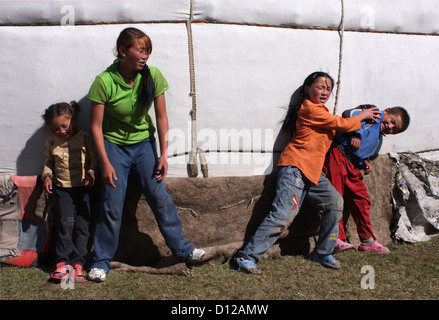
(125, 121)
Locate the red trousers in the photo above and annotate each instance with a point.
(348, 181)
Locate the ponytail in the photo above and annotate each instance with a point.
(289, 123)
(148, 88)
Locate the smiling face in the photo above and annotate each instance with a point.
(320, 90)
(391, 123)
(61, 126)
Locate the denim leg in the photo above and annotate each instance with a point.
(160, 202)
(108, 224)
(327, 199)
(66, 223)
(73, 229)
(81, 196)
(290, 192)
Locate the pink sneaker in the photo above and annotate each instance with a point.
(375, 247)
(341, 245)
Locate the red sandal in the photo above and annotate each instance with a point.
(79, 274)
(61, 271)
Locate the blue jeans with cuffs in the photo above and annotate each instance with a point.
(142, 158)
(292, 188)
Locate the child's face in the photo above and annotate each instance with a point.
(61, 126)
(391, 123)
(320, 90)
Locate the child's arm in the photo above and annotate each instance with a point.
(319, 116)
(92, 162)
(49, 164)
(162, 130)
(47, 183)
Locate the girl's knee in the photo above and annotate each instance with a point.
(337, 206)
(338, 203)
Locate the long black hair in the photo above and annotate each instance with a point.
(148, 87)
(126, 39)
(289, 122)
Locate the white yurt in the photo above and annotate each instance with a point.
(232, 67)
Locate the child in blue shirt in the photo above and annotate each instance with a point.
(349, 154)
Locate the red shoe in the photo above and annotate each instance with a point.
(79, 274)
(62, 270)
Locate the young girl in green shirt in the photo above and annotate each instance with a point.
(123, 133)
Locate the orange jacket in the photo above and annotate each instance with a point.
(315, 130)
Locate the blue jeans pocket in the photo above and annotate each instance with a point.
(291, 177)
(290, 191)
(297, 179)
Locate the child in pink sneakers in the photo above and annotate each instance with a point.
(349, 154)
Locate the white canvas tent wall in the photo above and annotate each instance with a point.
(248, 59)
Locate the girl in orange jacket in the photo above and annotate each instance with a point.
(300, 174)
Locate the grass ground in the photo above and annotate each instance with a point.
(410, 271)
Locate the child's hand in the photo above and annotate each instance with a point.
(372, 114)
(89, 179)
(355, 143)
(367, 167)
(47, 184)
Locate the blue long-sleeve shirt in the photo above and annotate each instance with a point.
(370, 135)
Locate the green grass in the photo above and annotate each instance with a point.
(410, 271)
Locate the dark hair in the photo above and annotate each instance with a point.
(289, 122)
(126, 39)
(400, 111)
(63, 108)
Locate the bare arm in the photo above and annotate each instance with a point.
(97, 115)
(162, 130)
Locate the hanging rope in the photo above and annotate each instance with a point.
(193, 163)
(195, 150)
(340, 56)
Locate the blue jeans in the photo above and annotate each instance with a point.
(142, 158)
(292, 188)
(73, 224)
